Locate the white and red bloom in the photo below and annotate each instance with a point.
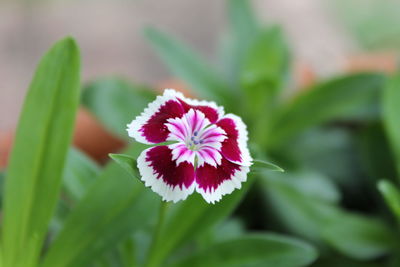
(209, 152)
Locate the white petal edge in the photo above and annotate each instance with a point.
(226, 187)
(194, 102)
(167, 192)
(152, 108)
(242, 140)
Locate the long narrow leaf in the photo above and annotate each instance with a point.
(253, 250)
(243, 29)
(37, 159)
(243, 21)
(355, 95)
(391, 195)
(391, 119)
(267, 61)
(260, 165)
(114, 207)
(80, 172)
(309, 208)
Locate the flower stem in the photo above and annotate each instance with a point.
(151, 260)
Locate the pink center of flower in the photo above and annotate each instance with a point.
(197, 139)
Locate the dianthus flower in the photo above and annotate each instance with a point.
(207, 149)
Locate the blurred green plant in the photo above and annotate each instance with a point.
(375, 24)
(336, 140)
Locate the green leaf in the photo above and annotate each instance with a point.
(182, 222)
(260, 165)
(306, 183)
(302, 201)
(391, 111)
(373, 24)
(115, 102)
(243, 29)
(378, 159)
(2, 178)
(357, 236)
(264, 73)
(228, 229)
(254, 250)
(331, 151)
(79, 174)
(128, 163)
(37, 160)
(189, 67)
(347, 97)
(310, 213)
(267, 61)
(243, 22)
(391, 195)
(114, 207)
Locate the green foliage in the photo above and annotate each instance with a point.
(253, 250)
(375, 25)
(375, 149)
(128, 163)
(365, 237)
(264, 72)
(391, 195)
(391, 110)
(2, 177)
(267, 61)
(306, 203)
(260, 165)
(346, 97)
(243, 30)
(182, 222)
(37, 160)
(79, 174)
(113, 208)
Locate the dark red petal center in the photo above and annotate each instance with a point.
(160, 159)
(154, 130)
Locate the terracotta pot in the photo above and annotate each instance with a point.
(6, 141)
(92, 138)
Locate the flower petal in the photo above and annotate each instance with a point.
(180, 153)
(182, 129)
(213, 136)
(208, 155)
(149, 127)
(214, 182)
(171, 181)
(234, 148)
(212, 112)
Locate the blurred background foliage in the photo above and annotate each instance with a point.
(338, 139)
(374, 24)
